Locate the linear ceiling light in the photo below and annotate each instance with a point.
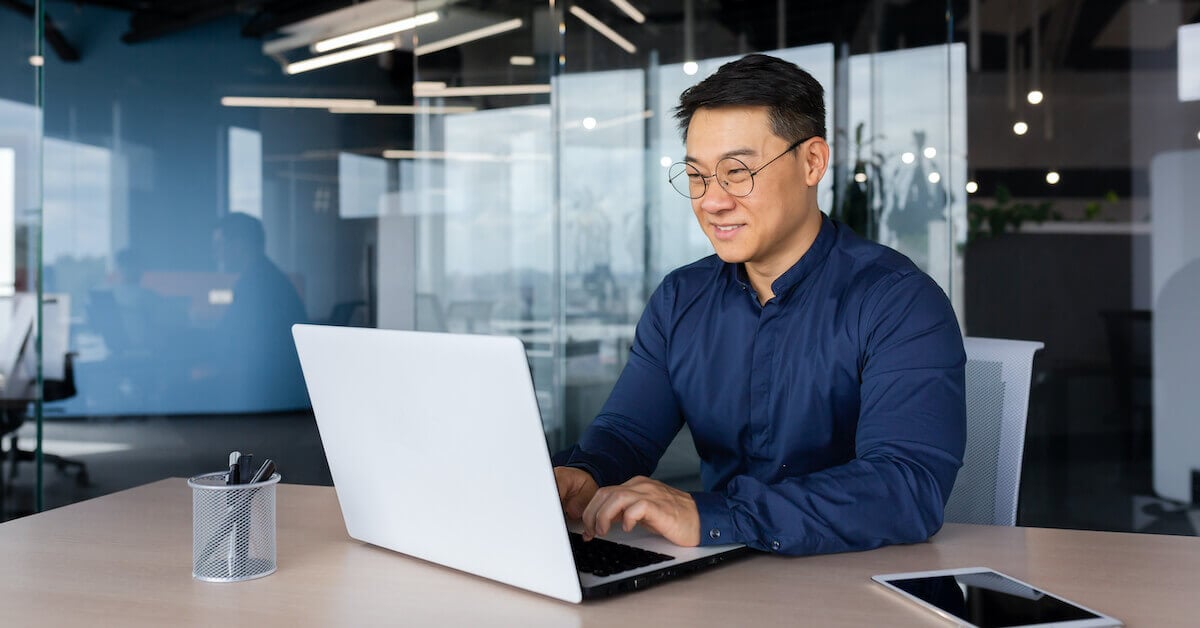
(521, 60)
(603, 29)
(342, 56)
(481, 90)
(628, 9)
(469, 36)
(296, 103)
(403, 109)
(375, 32)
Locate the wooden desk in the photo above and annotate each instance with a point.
(126, 558)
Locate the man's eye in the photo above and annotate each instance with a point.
(696, 177)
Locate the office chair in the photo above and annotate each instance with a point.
(998, 378)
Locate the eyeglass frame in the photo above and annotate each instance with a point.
(752, 172)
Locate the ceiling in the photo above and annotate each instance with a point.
(1075, 34)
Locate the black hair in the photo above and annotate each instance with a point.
(795, 101)
(244, 228)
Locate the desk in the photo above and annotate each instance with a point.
(126, 558)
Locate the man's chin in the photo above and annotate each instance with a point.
(730, 257)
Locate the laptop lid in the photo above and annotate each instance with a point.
(437, 450)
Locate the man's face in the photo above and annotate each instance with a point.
(762, 228)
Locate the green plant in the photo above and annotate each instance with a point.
(861, 189)
(1005, 215)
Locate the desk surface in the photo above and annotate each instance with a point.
(127, 556)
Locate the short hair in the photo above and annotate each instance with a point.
(243, 228)
(795, 101)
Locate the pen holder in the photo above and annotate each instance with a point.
(233, 528)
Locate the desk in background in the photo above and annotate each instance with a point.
(126, 558)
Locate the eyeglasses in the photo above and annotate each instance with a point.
(732, 173)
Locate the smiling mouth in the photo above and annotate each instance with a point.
(727, 228)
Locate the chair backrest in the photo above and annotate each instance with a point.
(998, 377)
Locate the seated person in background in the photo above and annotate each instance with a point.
(821, 375)
(253, 356)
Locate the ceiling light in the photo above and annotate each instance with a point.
(1198, 135)
(665, 161)
(690, 68)
(628, 9)
(296, 103)
(908, 158)
(37, 61)
(343, 56)
(520, 60)
(603, 29)
(930, 152)
(1020, 128)
(589, 123)
(972, 187)
(469, 36)
(404, 109)
(1035, 97)
(375, 32)
(1052, 177)
(860, 177)
(934, 177)
(481, 90)
(419, 86)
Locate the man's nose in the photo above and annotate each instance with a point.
(716, 198)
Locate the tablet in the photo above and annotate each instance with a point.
(984, 598)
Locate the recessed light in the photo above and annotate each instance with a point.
(930, 152)
(690, 68)
(1020, 128)
(860, 177)
(589, 123)
(665, 161)
(1052, 177)
(908, 158)
(1035, 97)
(934, 177)
(972, 187)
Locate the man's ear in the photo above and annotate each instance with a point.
(815, 154)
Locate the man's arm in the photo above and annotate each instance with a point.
(642, 415)
(909, 443)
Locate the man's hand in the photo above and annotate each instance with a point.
(575, 489)
(666, 511)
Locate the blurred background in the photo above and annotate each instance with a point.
(182, 180)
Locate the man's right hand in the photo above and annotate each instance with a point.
(575, 490)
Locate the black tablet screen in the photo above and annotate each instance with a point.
(991, 600)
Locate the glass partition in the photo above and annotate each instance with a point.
(213, 176)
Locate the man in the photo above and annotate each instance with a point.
(821, 374)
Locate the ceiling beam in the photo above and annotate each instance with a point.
(58, 42)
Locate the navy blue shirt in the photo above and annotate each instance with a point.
(830, 419)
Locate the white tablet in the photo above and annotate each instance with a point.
(984, 598)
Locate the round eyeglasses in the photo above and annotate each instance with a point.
(732, 173)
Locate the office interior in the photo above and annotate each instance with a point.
(499, 167)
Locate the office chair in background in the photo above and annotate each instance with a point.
(998, 378)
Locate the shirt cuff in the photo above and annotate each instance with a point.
(716, 519)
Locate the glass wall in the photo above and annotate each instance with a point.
(213, 176)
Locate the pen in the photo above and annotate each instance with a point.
(234, 475)
(264, 472)
(245, 468)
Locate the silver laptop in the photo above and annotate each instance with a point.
(437, 451)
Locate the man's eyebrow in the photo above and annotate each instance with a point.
(737, 152)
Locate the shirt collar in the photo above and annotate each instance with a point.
(803, 267)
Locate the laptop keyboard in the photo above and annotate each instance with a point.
(605, 558)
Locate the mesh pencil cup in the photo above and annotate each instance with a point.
(233, 528)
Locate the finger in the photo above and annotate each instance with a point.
(592, 512)
(637, 512)
(614, 508)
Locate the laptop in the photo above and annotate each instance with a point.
(438, 451)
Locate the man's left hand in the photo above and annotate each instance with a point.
(666, 511)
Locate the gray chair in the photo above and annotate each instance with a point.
(998, 377)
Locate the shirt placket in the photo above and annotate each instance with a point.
(762, 379)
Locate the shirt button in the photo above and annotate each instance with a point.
(714, 533)
(775, 545)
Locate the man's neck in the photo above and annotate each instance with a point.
(763, 274)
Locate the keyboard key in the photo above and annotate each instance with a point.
(602, 558)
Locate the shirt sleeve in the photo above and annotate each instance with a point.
(642, 415)
(909, 442)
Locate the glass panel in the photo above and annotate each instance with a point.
(20, 226)
(1084, 146)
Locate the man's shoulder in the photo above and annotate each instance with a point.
(694, 277)
(868, 263)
